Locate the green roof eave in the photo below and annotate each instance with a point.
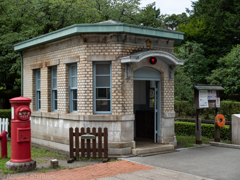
(100, 28)
(208, 87)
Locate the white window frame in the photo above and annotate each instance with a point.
(54, 91)
(95, 88)
(38, 89)
(71, 88)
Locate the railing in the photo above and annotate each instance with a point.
(91, 143)
(4, 124)
(207, 122)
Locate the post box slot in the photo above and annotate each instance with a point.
(23, 134)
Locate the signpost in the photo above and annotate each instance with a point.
(206, 96)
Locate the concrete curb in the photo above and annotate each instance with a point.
(235, 146)
(196, 146)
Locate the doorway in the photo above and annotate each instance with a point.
(147, 104)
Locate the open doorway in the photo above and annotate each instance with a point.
(144, 109)
(147, 105)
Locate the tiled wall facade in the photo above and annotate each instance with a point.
(122, 89)
(73, 50)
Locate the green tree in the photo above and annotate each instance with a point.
(25, 19)
(150, 16)
(173, 21)
(219, 22)
(21, 20)
(227, 74)
(117, 10)
(182, 85)
(196, 64)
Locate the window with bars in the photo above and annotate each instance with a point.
(54, 98)
(102, 88)
(73, 87)
(38, 89)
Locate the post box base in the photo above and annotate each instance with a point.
(21, 167)
(21, 160)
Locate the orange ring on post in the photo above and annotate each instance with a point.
(220, 120)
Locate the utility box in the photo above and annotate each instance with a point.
(236, 129)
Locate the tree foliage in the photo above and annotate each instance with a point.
(182, 85)
(219, 22)
(173, 21)
(21, 20)
(196, 64)
(150, 16)
(214, 25)
(228, 73)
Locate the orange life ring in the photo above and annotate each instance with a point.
(220, 120)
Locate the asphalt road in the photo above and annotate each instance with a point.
(211, 162)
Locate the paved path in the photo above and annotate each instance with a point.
(189, 164)
(119, 170)
(89, 172)
(155, 174)
(211, 162)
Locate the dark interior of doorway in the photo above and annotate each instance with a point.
(144, 110)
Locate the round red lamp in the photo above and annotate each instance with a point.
(153, 60)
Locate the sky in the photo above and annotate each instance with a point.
(170, 6)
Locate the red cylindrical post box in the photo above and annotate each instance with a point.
(20, 130)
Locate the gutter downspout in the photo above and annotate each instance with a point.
(21, 73)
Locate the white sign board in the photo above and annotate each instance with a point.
(203, 98)
(218, 102)
(212, 95)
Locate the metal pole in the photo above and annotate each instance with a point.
(198, 129)
(21, 73)
(216, 129)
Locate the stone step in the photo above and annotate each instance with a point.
(157, 153)
(154, 149)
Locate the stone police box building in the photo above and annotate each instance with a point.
(107, 74)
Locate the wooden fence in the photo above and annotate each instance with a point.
(88, 149)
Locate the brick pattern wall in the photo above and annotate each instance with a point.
(167, 85)
(104, 49)
(85, 83)
(167, 95)
(45, 89)
(122, 89)
(63, 87)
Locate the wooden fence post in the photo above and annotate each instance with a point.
(99, 142)
(82, 144)
(71, 141)
(94, 142)
(77, 142)
(88, 144)
(105, 143)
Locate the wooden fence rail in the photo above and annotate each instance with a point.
(89, 147)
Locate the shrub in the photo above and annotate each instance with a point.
(188, 128)
(228, 108)
(184, 107)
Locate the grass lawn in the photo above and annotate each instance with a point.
(189, 141)
(42, 157)
(36, 153)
